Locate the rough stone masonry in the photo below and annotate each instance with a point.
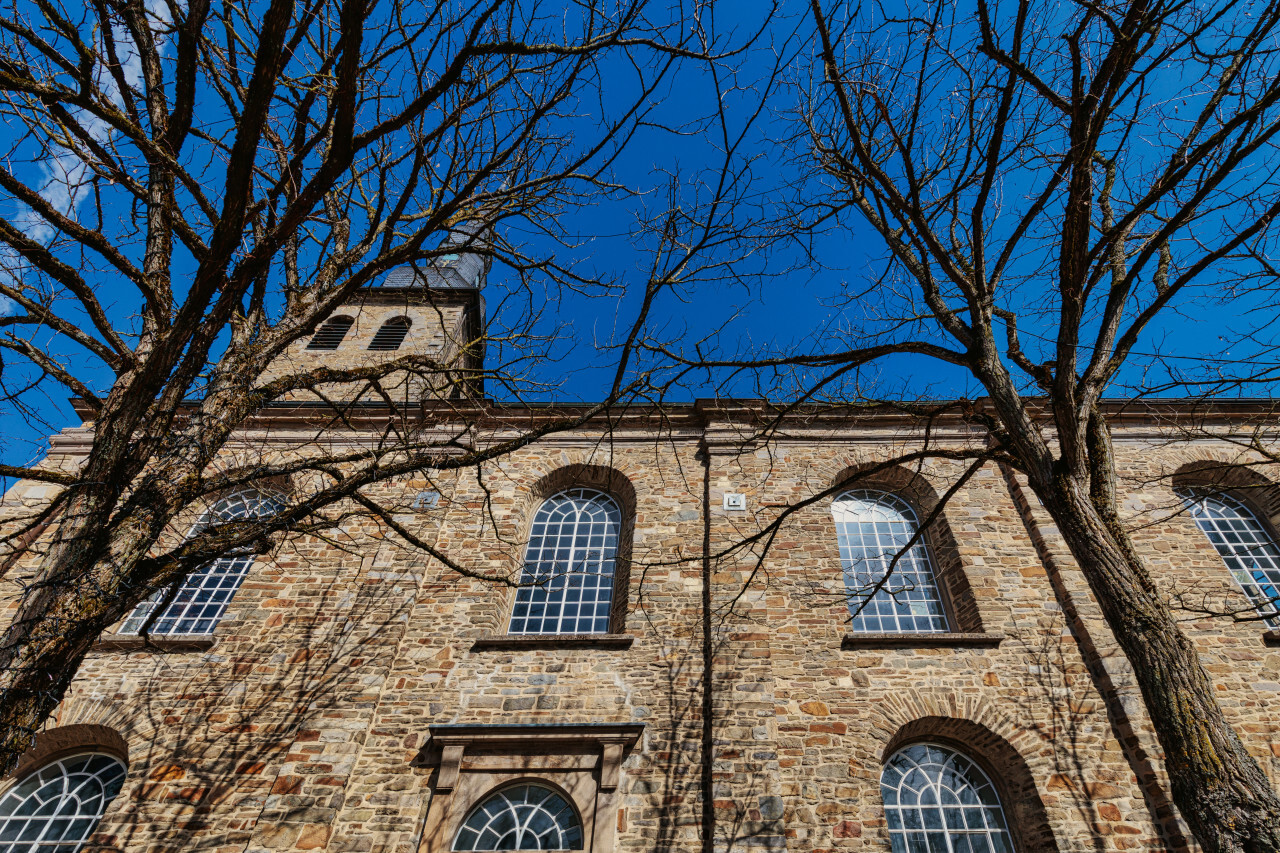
(359, 696)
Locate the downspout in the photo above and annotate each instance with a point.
(708, 665)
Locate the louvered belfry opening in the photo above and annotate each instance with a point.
(330, 333)
(391, 335)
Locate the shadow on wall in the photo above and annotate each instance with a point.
(227, 748)
(1061, 707)
(211, 736)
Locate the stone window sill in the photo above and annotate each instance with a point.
(166, 644)
(948, 639)
(520, 642)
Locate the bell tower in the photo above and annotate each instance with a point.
(429, 315)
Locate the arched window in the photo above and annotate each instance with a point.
(57, 807)
(1245, 546)
(567, 581)
(522, 817)
(330, 333)
(938, 800)
(871, 529)
(390, 335)
(203, 597)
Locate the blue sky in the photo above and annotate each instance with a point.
(783, 302)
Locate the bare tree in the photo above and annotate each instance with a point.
(1050, 185)
(217, 179)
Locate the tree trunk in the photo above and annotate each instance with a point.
(44, 645)
(83, 586)
(35, 682)
(1219, 788)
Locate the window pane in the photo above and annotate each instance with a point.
(872, 528)
(1245, 546)
(61, 802)
(925, 787)
(567, 580)
(522, 817)
(199, 603)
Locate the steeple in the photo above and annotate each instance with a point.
(464, 265)
(432, 308)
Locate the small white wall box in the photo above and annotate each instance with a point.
(426, 499)
(735, 501)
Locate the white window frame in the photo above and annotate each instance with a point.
(202, 600)
(567, 584)
(973, 811)
(1246, 546)
(82, 799)
(521, 808)
(872, 527)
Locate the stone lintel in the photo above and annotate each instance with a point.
(449, 744)
(164, 644)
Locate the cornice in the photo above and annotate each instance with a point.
(723, 422)
(415, 294)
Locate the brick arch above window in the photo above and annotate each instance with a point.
(601, 477)
(617, 486)
(1232, 477)
(1006, 768)
(923, 498)
(55, 743)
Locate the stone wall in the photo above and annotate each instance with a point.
(443, 325)
(303, 727)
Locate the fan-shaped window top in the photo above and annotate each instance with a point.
(567, 581)
(522, 817)
(939, 801)
(203, 597)
(1245, 546)
(871, 529)
(390, 335)
(330, 333)
(56, 808)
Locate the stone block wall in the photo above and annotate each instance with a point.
(307, 725)
(443, 325)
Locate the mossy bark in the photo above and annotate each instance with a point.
(1217, 785)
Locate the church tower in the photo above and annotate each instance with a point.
(432, 310)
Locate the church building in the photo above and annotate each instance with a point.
(522, 656)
